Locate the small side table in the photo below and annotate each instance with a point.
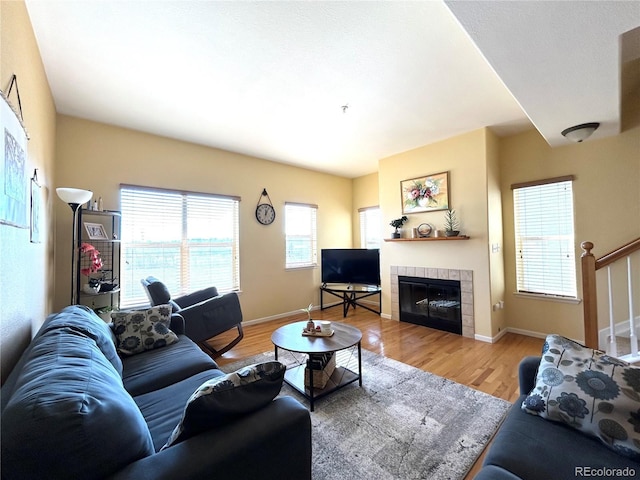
(290, 338)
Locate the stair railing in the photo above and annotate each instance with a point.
(589, 296)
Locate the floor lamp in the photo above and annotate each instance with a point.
(75, 197)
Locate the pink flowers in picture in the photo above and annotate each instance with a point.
(424, 194)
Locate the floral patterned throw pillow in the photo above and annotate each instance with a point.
(140, 330)
(225, 398)
(590, 391)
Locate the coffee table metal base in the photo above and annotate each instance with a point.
(341, 377)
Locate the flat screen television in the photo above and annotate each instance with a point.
(351, 265)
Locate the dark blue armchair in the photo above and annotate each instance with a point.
(206, 314)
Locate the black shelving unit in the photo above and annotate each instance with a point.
(109, 247)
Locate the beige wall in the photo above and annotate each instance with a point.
(465, 158)
(607, 213)
(26, 269)
(100, 157)
(495, 247)
(482, 169)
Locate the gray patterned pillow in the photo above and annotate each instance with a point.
(589, 391)
(223, 399)
(141, 330)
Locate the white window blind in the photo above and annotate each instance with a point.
(300, 235)
(187, 240)
(544, 235)
(370, 227)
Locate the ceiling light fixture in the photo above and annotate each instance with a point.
(581, 132)
(344, 108)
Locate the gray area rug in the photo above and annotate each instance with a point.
(403, 423)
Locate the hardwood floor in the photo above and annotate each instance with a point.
(490, 368)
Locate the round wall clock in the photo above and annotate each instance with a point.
(265, 213)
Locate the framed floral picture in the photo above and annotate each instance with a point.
(425, 194)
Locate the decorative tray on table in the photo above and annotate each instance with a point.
(317, 333)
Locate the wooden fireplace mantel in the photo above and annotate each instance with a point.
(427, 239)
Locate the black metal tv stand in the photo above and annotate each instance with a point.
(350, 296)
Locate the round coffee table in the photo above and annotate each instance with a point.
(290, 338)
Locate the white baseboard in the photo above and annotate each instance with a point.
(483, 338)
(519, 331)
(530, 333)
(494, 339)
(527, 333)
(278, 316)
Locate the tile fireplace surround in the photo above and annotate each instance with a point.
(466, 290)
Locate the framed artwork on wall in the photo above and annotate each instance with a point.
(425, 194)
(13, 144)
(36, 208)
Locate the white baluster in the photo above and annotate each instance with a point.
(632, 322)
(613, 345)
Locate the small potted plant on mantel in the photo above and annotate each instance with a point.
(451, 224)
(397, 224)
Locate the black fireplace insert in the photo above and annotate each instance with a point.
(431, 302)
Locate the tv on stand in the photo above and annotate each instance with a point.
(350, 266)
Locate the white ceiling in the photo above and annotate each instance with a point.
(270, 79)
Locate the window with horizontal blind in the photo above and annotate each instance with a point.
(370, 227)
(187, 240)
(544, 235)
(300, 235)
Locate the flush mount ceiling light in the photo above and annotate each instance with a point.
(581, 132)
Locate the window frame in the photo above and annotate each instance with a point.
(366, 228)
(312, 261)
(189, 203)
(562, 286)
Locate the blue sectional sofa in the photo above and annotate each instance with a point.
(72, 408)
(529, 447)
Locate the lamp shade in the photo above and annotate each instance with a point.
(74, 195)
(578, 133)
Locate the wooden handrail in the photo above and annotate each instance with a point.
(589, 300)
(618, 253)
